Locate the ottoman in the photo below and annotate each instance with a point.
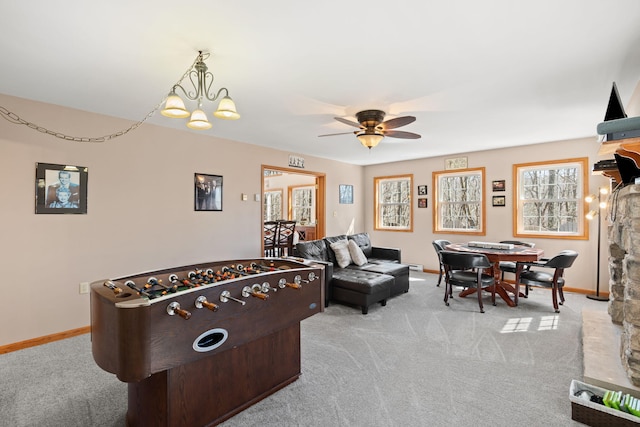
(360, 288)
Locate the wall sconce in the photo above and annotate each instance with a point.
(592, 214)
(201, 80)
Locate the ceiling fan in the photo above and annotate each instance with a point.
(372, 128)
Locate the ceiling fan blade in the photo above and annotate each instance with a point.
(341, 133)
(348, 122)
(397, 122)
(401, 134)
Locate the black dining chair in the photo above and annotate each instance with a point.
(284, 242)
(439, 246)
(555, 281)
(466, 269)
(510, 266)
(269, 235)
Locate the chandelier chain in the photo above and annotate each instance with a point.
(16, 119)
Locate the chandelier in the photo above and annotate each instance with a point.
(201, 80)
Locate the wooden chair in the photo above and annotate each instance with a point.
(284, 242)
(439, 246)
(269, 235)
(555, 281)
(510, 266)
(466, 269)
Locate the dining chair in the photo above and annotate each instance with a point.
(510, 266)
(466, 269)
(439, 246)
(555, 281)
(269, 235)
(284, 242)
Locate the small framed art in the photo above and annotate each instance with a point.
(61, 189)
(345, 194)
(207, 192)
(422, 203)
(498, 185)
(498, 200)
(422, 190)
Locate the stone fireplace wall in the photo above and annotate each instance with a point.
(624, 273)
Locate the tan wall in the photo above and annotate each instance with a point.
(140, 210)
(416, 246)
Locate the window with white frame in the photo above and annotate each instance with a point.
(272, 208)
(393, 209)
(459, 201)
(549, 198)
(302, 201)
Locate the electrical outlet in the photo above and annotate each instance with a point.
(244, 197)
(84, 287)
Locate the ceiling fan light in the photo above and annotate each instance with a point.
(199, 121)
(227, 109)
(369, 139)
(174, 107)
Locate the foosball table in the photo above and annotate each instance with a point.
(199, 343)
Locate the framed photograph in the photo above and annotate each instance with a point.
(207, 194)
(345, 194)
(455, 163)
(422, 203)
(422, 190)
(498, 201)
(61, 189)
(498, 185)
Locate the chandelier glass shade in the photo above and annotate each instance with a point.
(201, 81)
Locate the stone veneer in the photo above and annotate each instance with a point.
(624, 273)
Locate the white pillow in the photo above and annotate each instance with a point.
(356, 253)
(341, 249)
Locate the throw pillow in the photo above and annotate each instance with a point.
(341, 249)
(356, 253)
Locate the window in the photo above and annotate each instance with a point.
(549, 199)
(272, 205)
(302, 204)
(459, 201)
(393, 210)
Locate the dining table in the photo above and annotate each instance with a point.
(496, 253)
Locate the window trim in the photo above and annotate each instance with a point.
(313, 207)
(376, 208)
(583, 229)
(436, 202)
(274, 190)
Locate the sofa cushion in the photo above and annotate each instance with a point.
(391, 268)
(363, 240)
(357, 256)
(329, 240)
(313, 249)
(341, 251)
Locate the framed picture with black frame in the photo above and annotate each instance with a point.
(61, 189)
(498, 201)
(345, 194)
(498, 185)
(422, 190)
(207, 193)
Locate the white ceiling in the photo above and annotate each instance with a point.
(476, 74)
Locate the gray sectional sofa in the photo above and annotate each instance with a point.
(379, 276)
